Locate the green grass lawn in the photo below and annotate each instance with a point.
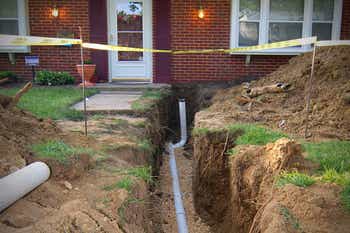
(58, 150)
(51, 102)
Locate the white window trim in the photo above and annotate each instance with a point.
(264, 23)
(22, 13)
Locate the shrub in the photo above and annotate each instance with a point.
(52, 78)
(8, 74)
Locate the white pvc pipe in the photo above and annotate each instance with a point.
(21, 182)
(179, 208)
(183, 125)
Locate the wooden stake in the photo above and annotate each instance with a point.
(309, 92)
(83, 78)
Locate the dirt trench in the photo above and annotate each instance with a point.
(83, 194)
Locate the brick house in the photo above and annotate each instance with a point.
(169, 24)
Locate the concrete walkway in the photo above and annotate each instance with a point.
(109, 101)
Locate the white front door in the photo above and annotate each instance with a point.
(130, 24)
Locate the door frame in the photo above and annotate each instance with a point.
(147, 37)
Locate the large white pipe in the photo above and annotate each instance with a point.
(21, 182)
(179, 208)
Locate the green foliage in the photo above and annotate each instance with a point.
(59, 150)
(289, 217)
(144, 173)
(97, 117)
(51, 102)
(334, 160)
(333, 176)
(231, 152)
(139, 124)
(125, 183)
(88, 62)
(51, 78)
(8, 74)
(254, 134)
(200, 131)
(345, 197)
(120, 122)
(296, 178)
(145, 145)
(330, 155)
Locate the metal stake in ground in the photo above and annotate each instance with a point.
(83, 78)
(309, 92)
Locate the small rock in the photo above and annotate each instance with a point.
(68, 185)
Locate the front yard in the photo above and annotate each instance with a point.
(51, 102)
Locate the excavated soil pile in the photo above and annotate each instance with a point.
(330, 103)
(18, 130)
(250, 202)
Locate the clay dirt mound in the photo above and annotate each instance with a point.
(330, 99)
(19, 130)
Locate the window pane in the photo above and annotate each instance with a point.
(9, 27)
(284, 31)
(130, 40)
(323, 31)
(323, 10)
(287, 10)
(129, 16)
(8, 9)
(249, 10)
(248, 33)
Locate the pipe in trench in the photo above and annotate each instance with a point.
(179, 208)
(17, 184)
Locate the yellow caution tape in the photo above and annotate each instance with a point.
(11, 40)
(276, 45)
(122, 48)
(332, 43)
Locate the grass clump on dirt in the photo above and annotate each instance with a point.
(144, 173)
(345, 197)
(296, 178)
(148, 99)
(59, 150)
(145, 145)
(290, 218)
(255, 134)
(125, 183)
(330, 155)
(51, 102)
(334, 160)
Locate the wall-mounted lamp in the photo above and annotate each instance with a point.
(55, 11)
(200, 10)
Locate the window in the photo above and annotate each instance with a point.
(255, 22)
(13, 22)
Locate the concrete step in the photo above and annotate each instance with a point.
(128, 86)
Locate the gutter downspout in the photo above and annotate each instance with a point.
(180, 211)
(19, 183)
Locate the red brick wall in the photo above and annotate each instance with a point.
(189, 32)
(345, 30)
(41, 23)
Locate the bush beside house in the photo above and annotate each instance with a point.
(51, 78)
